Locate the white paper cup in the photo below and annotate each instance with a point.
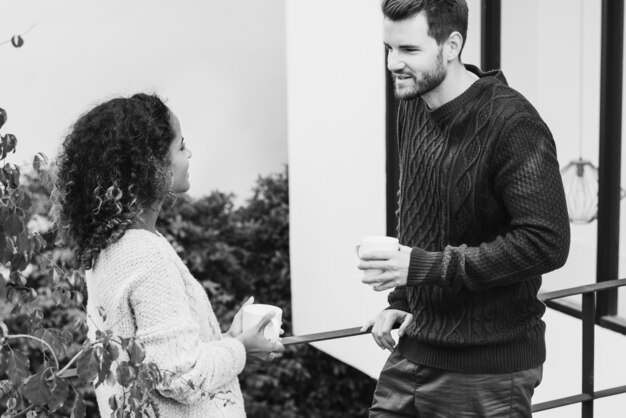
(252, 315)
(375, 243)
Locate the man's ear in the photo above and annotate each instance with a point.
(453, 46)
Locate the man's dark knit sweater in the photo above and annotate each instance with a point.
(482, 204)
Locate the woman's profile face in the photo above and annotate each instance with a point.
(179, 156)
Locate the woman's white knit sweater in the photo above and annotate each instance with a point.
(146, 292)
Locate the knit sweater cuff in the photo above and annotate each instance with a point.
(424, 268)
(237, 351)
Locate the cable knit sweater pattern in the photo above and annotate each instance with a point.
(481, 201)
(147, 292)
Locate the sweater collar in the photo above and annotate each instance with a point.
(484, 79)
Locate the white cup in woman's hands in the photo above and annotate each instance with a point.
(253, 314)
(257, 345)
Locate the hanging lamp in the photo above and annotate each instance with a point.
(580, 181)
(580, 177)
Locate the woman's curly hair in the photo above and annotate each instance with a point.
(112, 166)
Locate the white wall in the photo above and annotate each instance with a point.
(220, 64)
(336, 111)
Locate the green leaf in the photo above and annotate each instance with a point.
(4, 358)
(9, 141)
(22, 242)
(38, 388)
(125, 374)
(4, 250)
(13, 295)
(137, 353)
(103, 313)
(66, 337)
(87, 365)
(3, 117)
(15, 180)
(60, 392)
(53, 338)
(125, 343)
(12, 403)
(17, 367)
(79, 410)
(12, 176)
(113, 402)
(10, 245)
(34, 320)
(40, 242)
(17, 309)
(22, 198)
(113, 350)
(104, 367)
(19, 262)
(13, 224)
(37, 163)
(17, 279)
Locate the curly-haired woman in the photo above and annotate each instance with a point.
(116, 167)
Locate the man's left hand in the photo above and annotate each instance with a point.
(395, 270)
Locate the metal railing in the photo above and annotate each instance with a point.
(589, 320)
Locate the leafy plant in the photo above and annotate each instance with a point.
(46, 364)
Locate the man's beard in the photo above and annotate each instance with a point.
(429, 81)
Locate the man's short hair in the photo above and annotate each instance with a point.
(443, 16)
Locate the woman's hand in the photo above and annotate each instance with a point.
(257, 345)
(236, 327)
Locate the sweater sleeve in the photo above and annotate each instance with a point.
(397, 299)
(171, 337)
(527, 179)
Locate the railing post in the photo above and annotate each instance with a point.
(609, 188)
(589, 319)
(490, 34)
(393, 166)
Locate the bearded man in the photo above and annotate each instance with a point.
(482, 215)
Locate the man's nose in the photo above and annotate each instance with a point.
(394, 63)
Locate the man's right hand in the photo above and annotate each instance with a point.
(382, 324)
